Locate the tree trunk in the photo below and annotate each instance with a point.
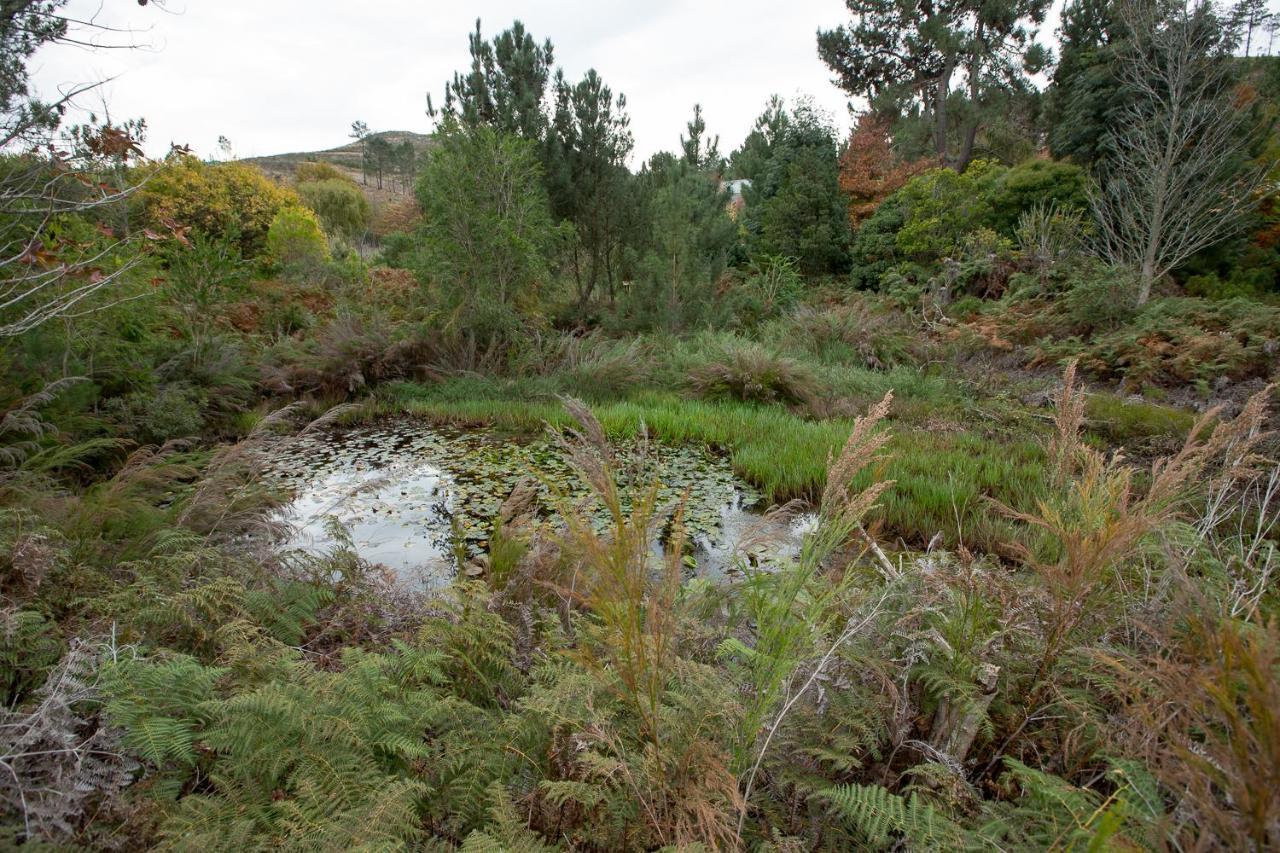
(1146, 280)
(940, 114)
(956, 725)
(966, 148)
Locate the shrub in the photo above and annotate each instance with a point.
(314, 170)
(295, 240)
(217, 198)
(1046, 183)
(943, 207)
(748, 372)
(341, 206)
(207, 269)
(773, 282)
(154, 417)
(868, 331)
(1100, 297)
(593, 366)
(874, 251)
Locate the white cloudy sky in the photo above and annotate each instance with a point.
(291, 75)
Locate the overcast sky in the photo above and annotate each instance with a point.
(291, 75)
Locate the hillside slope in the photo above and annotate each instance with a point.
(347, 158)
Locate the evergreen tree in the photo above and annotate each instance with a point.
(751, 160)
(1086, 91)
(506, 87)
(487, 229)
(907, 56)
(695, 152)
(796, 208)
(360, 133)
(586, 153)
(688, 238)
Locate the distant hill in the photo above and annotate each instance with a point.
(346, 158)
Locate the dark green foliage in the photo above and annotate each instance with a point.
(795, 207)
(25, 26)
(155, 416)
(29, 647)
(879, 816)
(505, 86)
(751, 161)
(487, 231)
(1086, 90)
(205, 270)
(587, 147)
(1036, 182)
(904, 58)
(686, 249)
(874, 248)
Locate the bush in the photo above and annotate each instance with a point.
(341, 206)
(1100, 297)
(313, 170)
(206, 270)
(1049, 183)
(943, 207)
(874, 250)
(866, 331)
(154, 417)
(771, 284)
(218, 198)
(295, 240)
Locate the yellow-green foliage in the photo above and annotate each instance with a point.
(218, 198)
(319, 171)
(341, 206)
(295, 238)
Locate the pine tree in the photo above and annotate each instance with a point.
(905, 56)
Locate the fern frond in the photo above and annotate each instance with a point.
(881, 815)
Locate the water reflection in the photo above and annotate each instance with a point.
(404, 494)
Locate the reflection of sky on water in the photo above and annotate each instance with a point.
(394, 488)
(395, 515)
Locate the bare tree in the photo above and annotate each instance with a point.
(1180, 177)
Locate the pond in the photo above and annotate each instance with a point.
(407, 495)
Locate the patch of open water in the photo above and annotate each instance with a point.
(405, 493)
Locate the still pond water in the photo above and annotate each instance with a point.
(405, 492)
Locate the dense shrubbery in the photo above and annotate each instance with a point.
(217, 198)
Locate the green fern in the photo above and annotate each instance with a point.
(505, 832)
(286, 608)
(29, 647)
(880, 816)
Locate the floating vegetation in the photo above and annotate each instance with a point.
(408, 494)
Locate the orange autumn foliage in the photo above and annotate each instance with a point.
(869, 170)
